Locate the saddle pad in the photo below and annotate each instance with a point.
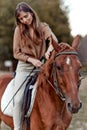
(7, 99)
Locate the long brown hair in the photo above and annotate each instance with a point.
(24, 29)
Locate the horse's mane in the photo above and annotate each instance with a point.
(64, 46)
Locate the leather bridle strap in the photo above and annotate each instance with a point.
(57, 88)
(66, 53)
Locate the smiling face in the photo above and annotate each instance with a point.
(25, 18)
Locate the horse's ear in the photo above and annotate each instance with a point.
(76, 42)
(55, 45)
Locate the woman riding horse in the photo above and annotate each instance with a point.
(57, 90)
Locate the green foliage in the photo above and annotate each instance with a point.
(48, 10)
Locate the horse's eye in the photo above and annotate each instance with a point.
(79, 74)
(79, 82)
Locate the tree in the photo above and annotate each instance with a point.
(51, 12)
(48, 11)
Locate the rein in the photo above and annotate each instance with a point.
(56, 86)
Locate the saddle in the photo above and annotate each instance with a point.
(7, 100)
(28, 99)
(27, 93)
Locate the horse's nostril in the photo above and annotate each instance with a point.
(74, 109)
(80, 105)
(69, 105)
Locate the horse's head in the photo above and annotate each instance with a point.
(66, 67)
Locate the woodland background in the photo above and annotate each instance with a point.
(51, 11)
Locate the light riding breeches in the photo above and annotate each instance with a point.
(18, 83)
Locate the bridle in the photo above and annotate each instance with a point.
(55, 85)
(66, 53)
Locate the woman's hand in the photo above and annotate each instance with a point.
(35, 62)
(47, 54)
(50, 48)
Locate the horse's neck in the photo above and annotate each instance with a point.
(47, 97)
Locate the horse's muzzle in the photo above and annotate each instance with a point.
(74, 109)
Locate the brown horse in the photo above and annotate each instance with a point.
(57, 91)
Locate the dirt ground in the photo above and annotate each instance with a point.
(5, 72)
(83, 83)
